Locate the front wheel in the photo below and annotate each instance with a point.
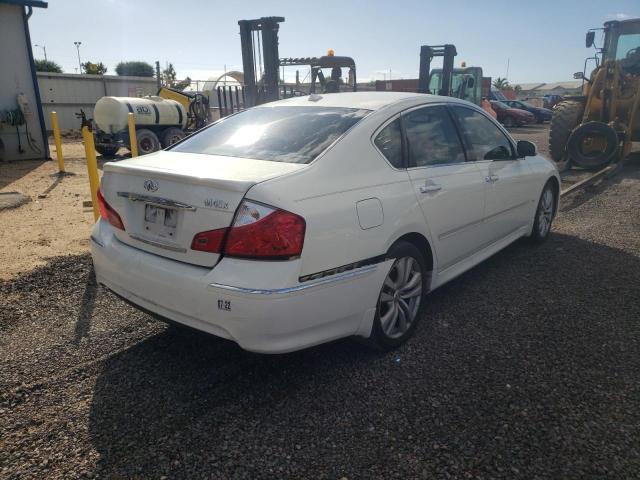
(400, 300)
(545, 213)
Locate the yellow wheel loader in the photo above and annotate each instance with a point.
(597, 127)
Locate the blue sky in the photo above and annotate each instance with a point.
(543, 40)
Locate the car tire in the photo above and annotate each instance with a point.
(545, 213)
(508, 122)
(403, 293)
(147, 141)
(539, 120)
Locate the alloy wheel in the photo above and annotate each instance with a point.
(400, 297)
(545, 212)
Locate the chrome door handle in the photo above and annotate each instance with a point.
(430, 188)
(491, 178)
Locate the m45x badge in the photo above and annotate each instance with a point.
(216, 203)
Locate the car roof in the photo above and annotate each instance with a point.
(360, 100)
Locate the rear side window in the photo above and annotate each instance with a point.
(389, 142)
(281, 134)
(432, 138)
(485, 140)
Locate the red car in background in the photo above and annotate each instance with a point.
(512, 117)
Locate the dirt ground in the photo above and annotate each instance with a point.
(56, 223)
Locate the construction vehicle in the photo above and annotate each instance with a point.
(160, 120)
(597, 127)
(262, 65)
(466, 83)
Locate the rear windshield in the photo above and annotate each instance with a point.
(281, 134)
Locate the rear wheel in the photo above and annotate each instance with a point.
(147, 141)
(508, 122)
(400, 300)
(566, 117)
(171, 135)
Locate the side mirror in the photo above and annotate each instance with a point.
(579, 76)
(588, 41)
(526, 149)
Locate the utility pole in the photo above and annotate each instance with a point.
(389, 74)
(507, 75)
(77, 44)
(44, 49)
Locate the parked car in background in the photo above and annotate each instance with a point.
(542, 114)
(309, 219)
(550, 101)
(512, 117)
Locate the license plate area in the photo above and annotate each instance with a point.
(160, 221)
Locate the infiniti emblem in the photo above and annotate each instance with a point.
(150, 185)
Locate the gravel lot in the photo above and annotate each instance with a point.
(528, 367)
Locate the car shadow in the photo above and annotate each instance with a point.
(510, 351)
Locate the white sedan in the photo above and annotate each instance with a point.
(315, 218)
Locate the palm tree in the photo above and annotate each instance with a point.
(501, 83)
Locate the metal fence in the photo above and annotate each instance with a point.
(67, 93)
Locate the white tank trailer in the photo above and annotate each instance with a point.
(160, 122)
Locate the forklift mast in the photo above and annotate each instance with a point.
(265, 87)
(427, 53)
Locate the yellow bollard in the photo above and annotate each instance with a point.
(56, 136)
(92, 168)
(133, 141)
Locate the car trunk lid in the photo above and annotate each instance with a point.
(165, 198)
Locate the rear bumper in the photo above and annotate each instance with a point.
(259, 305)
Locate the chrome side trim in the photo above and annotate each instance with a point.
(279, 291)
(157, 201)
(96, 241)
(153, 243)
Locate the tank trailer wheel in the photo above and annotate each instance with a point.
(106, 151)
(147, 141)
(171, 135)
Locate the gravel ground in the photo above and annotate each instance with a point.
(528, 366)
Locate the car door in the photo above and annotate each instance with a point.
(450, 190)
(510, 182)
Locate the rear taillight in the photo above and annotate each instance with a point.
(209, 241)
(108, 213)
(258, 231)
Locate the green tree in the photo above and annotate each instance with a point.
(501, 83)
(135, 69)
(169, 76)
(47, 66)
(517, 89)
(94, 68)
